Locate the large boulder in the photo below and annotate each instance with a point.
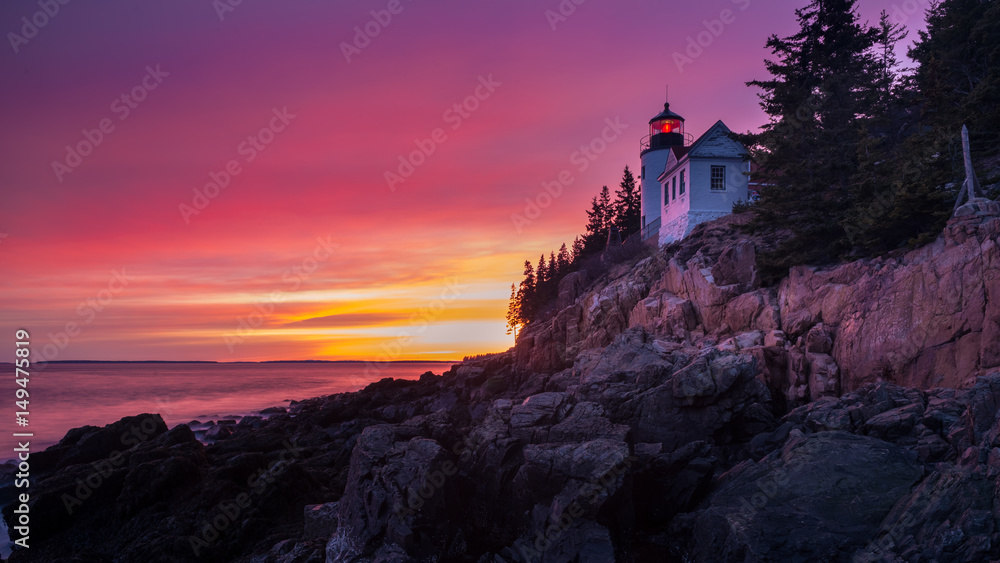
(819, 497)
(398, 490)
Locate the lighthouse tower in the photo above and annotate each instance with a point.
(666, 131)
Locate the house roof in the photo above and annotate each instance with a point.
(699, 146)
(665, 114)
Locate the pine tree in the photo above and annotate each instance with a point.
(956, 82)
(563, 261)
(513, 312)
(526, 294)
(886, 35)
(627, 205)
(807, 154)
(578, 250)
(599, 218)
(541, 272)
(958, 70)
(543, 279)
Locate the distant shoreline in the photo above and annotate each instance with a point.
(245, 362)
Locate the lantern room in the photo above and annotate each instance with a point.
(667, 126)
(666, 129)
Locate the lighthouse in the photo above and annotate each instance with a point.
(666, 131)
(687, 182)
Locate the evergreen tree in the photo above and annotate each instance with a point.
(958, 59)
(541, 272)
(543, 282)
(627, 206)
(563, 261)
(957, 81)
(599, 218)
(807, 154)
(578, 250)
(513, 312)
(872, 191)
(526, 294)
(886, 36)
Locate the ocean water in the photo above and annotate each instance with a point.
(68, 395)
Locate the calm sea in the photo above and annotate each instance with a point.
(68, 395)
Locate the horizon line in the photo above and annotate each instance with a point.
(242, 362)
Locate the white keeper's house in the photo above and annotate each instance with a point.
(684, 183)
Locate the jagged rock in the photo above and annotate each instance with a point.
(819, 339)
(320, 520)
(570, 288)
(581, 480)
(820, 496)
(753, 311)
(698, 401)
(895, 423)
(90, 443)
(397, 489)
(710, 377)
(824, 376)
(737, 265)
(587, 421)
(672, 482)
(775, 338)
(530, 419)
(924, 319)
(948, 517)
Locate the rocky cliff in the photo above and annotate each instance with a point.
(672, 410)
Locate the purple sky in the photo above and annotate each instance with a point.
(195, 276)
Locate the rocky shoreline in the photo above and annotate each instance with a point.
(672, 410)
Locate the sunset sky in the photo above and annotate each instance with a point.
(309, 251)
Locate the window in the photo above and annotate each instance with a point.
(682, 182)
(718, 177)
(666, 194)
(675, 187)
(643, 175)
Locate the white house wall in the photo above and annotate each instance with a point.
(676, 208)
(704, 198)
(699, 202)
